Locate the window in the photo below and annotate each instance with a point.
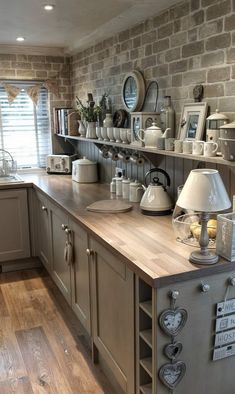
(24, 127)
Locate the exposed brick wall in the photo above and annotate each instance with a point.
(38, 67)
(191, 43)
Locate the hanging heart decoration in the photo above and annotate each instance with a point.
(171, 374)
(172, 321)
(173, 350)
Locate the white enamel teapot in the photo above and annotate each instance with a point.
(151, 134)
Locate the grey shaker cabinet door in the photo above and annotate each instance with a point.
(80, 275)
(14, 233)
(43, 230)
(113, 314)
(61, 270)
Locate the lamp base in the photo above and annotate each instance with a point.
(197, 257)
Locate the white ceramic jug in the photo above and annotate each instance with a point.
(151, 134)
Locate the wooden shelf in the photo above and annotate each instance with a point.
(146, 389)
(214, 160)
(146, 306)
(146, 335)
(146, 363)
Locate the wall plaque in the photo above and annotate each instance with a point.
(224, 308)
(223, 352)
(225, 338)
(225, 323)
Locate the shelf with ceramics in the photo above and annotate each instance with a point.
(132, 146)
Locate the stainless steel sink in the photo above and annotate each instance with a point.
(11, 179)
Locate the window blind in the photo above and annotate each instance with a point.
(25, 128)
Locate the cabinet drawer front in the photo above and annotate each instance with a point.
(14, 237)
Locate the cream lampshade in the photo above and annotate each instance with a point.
(204, 192)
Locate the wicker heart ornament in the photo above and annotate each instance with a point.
(173, 350)
(172, 321)
(171, 374)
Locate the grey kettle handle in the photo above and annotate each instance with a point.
(162, 172)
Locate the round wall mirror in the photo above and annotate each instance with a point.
(133, 91)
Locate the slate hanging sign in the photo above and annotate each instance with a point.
(224, 352)
(225, 323)
(224, 345)
(224, 308)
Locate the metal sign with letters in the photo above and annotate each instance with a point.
(224, 338)
(223, 352)
(225, 323)
(224, 308)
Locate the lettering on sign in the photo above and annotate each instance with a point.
(223, 352)
(224, 338)
(224, 308)
(225, 323)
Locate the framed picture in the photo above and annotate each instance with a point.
(192, 121)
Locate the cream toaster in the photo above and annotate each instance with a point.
(60, 164)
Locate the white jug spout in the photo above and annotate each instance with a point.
(144, 187)
(166, 133)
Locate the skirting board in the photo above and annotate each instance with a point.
(21, 264)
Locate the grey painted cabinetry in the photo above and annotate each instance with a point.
(98, 286)
(42, 212)
(14, 234)
(113, 314)
(70, 270)
(61, 269)
(80, 278)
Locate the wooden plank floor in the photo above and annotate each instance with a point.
(42, 345)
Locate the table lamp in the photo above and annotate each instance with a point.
(204, 192)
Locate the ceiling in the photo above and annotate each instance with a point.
(73, 24)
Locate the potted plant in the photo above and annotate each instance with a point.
(89, 114)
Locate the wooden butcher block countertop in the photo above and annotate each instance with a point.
(146, 244)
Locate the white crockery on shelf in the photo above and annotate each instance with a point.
(116, 134)
(210, 148)
(123, 136)
(98, 133)
(110, 134)
(169, 144)
(104, 133)
(128, 135)
(178, 146)
(198, 147)
(187, 147)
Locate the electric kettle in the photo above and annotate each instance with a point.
(156, 201)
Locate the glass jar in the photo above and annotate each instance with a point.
(167, 116)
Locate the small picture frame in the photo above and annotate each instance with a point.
(192, 121)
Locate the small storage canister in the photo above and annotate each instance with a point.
(119, 186)
(136, 191)
(84, 171)
(213, 124)
(125, 188)
(113, 185)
